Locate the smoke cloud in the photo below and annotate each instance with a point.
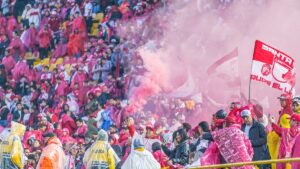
(195, 34)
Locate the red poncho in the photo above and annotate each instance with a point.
(9, 63)
(3, 21)
(30, 38)
(296, 152)
(62, 88)
(234, 146)
(79, 78)
(79, 23)
(69, 123)
(17, 45)
(20, 69)
(32, 75)
(211, 156)
(75, 44)
(45, 38)
(60, 50)
(82, 94)
(288, 141)
(162, 159)
(12, 24)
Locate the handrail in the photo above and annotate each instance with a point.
(287, 160)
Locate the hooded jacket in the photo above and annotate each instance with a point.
(289, 138)
(53, 156)
(180, 155)
(11, 149)
(100, 154)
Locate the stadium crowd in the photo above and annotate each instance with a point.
(65, 78)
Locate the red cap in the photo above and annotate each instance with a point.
(295, 117)
(230, 119)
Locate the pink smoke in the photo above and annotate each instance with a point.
(196, 33)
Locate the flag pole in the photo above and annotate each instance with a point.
(250, 80)
(249, 92)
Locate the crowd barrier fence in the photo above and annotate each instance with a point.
(227, 166)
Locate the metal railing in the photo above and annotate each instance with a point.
(287, 161)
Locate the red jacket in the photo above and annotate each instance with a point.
(9, 63)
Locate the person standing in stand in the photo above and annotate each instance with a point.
(296, 104)
(284, 122)
(35, 16)
(53, 156)
(140, 158)
(100, 155)
(11, 149)
(289, 139)
(256, 133)
(44, 39)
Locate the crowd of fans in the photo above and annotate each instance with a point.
(65, 75)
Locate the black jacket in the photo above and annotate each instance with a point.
(21, 88)
(258, 138)
(180, 155)
(18, 115)
(4, 111)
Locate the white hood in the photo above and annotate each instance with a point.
(140, 160)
